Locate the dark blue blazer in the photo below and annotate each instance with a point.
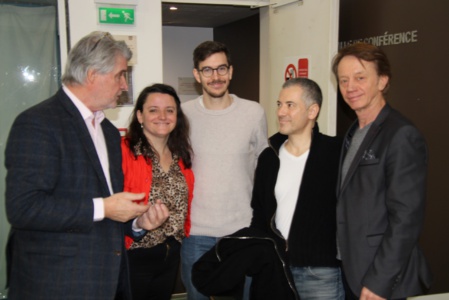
(55, 249)
(380, 209)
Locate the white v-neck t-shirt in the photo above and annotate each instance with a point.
(287, 187)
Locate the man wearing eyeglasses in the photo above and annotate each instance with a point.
(227, 134)
(64, 185)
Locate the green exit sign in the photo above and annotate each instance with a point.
(114, 15)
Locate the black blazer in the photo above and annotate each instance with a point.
(56, 251)
(380, 209)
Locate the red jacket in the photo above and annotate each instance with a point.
(138, 176)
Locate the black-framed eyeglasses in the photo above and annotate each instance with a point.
(221, 70)
(106, 34)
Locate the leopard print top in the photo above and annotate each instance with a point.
(171, 188)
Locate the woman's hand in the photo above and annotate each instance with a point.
(154, 217)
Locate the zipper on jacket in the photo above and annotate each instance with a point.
(272, 221)
(276, 231)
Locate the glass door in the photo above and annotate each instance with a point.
(29, 73)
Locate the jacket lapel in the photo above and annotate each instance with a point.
(112, 140)
(367, 142)
(83, 134)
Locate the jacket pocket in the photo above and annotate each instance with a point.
(366, 162)
(374, 239)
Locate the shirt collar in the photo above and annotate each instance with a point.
(85, 112)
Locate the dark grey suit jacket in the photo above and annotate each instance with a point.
(380, 209)
(56, 251)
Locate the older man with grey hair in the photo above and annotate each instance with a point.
(64, 185)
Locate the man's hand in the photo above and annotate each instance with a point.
(366, 294)
(154, 217)
(121, 206)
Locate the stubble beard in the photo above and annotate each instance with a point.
(213, 94)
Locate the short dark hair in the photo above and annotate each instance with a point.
(178, 141)
(311, 91)
(206, 49)
(366, 52)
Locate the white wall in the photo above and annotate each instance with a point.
(178, 44)
(148, 29)
(308, 29)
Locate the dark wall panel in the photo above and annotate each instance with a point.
(415, 36)
(243, 39)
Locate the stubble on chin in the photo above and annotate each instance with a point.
(216, 94)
